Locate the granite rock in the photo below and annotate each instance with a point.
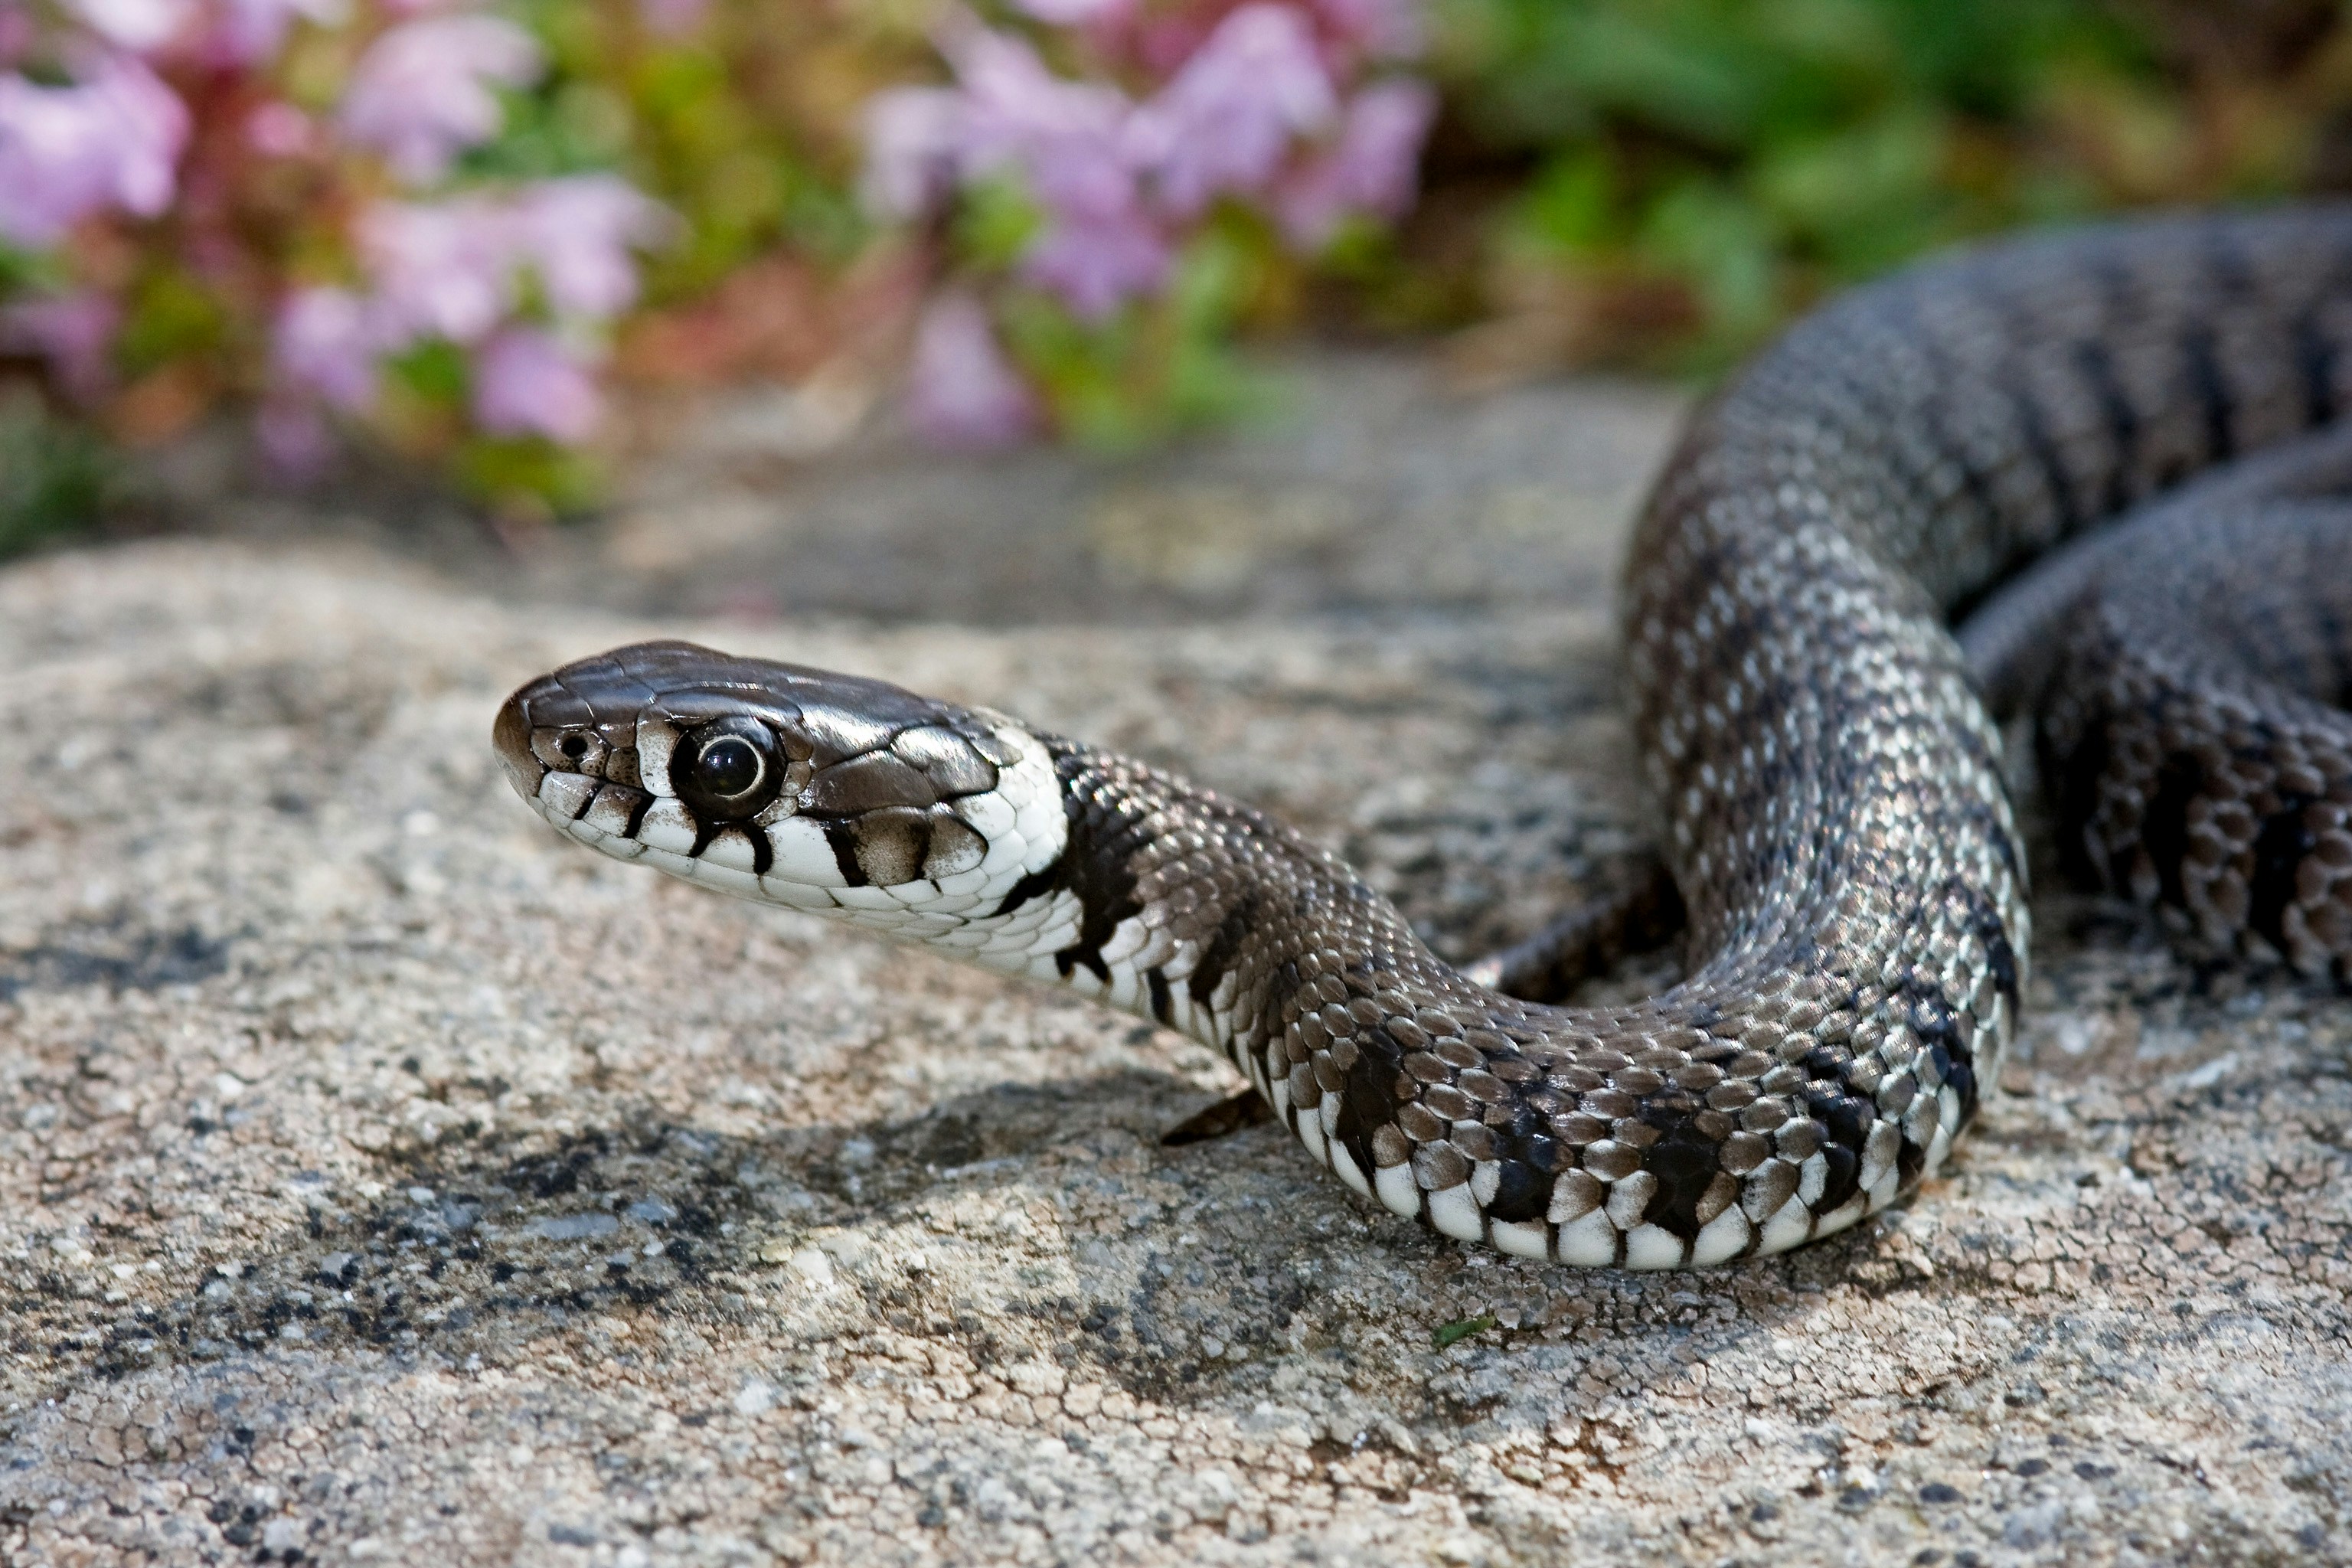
(390, 1180)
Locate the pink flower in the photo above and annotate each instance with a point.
(577, 232)
(19, 32)
(293, 437)
(443, 270)
(1226, 121)
(912, 138)
(1066, 137)
(251, 32)
(136, 24)
(279, 129)
(1079, 13)
(669, 18)
(1369, 168)
(420, 94)
(961, 391)
(1385, 29)
(74, 332)
(1095, 265)
(528, 383)
(1069, 141)
(113, 140)
(327, 344)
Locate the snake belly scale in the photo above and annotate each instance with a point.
(1829, 782)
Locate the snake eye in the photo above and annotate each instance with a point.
(728, 769)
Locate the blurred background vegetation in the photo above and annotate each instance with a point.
(892, 197)
(1667, 179)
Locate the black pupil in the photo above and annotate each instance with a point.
(728, 767)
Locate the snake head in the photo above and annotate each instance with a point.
(780, 781)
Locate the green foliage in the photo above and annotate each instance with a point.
(527, 476)
(745, 125)
(1757, 153)
(1158, 366)
(171, 316)
(52, 473)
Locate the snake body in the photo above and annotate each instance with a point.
(1829, 779)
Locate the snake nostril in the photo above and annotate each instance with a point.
(573, 746)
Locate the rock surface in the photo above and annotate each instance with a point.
(391, 1181)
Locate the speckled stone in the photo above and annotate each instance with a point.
(393, 1182)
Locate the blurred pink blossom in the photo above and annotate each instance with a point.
(293, 437)
(669, 18)
(1095, 265)
(961, 391)
(1226, 121)
(1079, 13)
(577, 232)
(111, 140)
(1385, 29)
(19, 34)
(251, 32)
(443, 270)
(325, 343)
(136, 24)
(74, 332)
(279, 129)
(1369, 168)
(529, 383)
(1067, 138)
(1070, 143)
(421, 94)
(912, 138)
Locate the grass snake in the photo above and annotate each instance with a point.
(2146, 408)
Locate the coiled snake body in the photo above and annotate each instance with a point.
(1828, 777)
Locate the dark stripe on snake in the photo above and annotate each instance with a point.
(1097, 860)
(1032, 885)
(2315, 360)
(2212, 388)
(2033, 427)
(2279, 849)
(1233, 931)
(2164, 821)
(2096, 364)
(843, 842)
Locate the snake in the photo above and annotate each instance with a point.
(1990, 435)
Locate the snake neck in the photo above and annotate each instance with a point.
(1208, 917)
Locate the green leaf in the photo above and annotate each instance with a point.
(1571, 205)
(996, 221)
(436, 371)
(170, 316)
(528, 474)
